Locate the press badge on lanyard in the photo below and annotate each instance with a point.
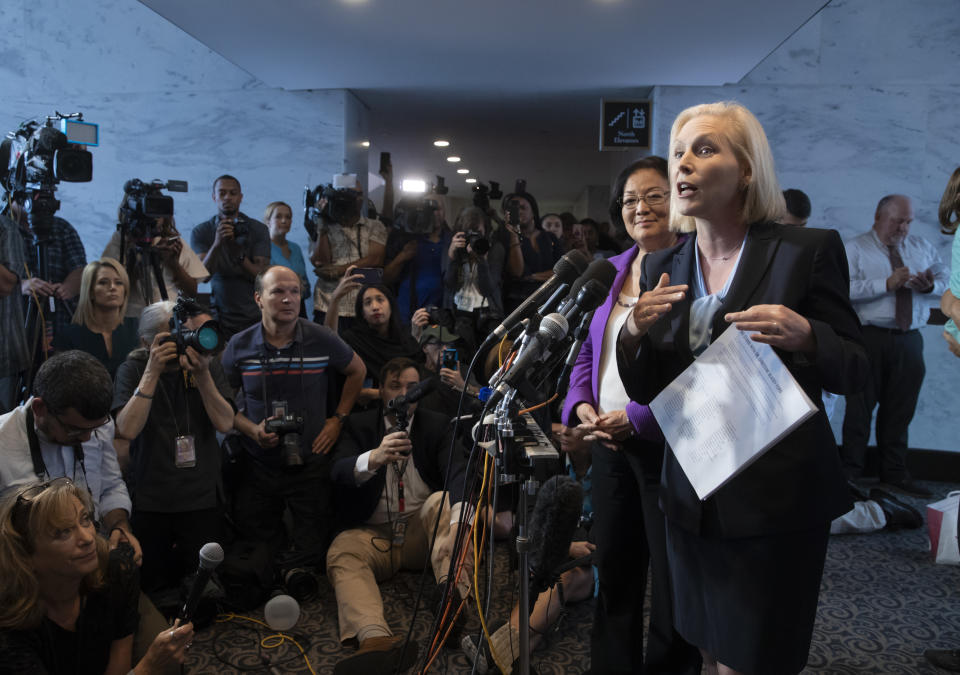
(185, 453)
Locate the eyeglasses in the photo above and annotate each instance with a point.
(74, 432)
(652, 198)
(21, 509)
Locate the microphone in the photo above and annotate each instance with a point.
(414, 395)
(579, 337)
(552, 330)
(600, 271)
(567, 269)
(552, 524)
(211, 555)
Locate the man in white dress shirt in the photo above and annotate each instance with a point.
(894, 278)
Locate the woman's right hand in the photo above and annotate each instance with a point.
(348, 282)
(587, 413)
(168, 648)
(652, 305)
(458, 243)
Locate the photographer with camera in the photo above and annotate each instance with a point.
(280, 369)
(171, 399)
(343, 237)
(415, 253)
(181, 268)
(235, 249)
(389, 484)
(473, 274)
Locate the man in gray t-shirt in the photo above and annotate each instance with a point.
(235, 249)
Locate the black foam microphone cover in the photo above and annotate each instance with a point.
(552, 524)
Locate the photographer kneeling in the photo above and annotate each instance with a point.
(172, 397)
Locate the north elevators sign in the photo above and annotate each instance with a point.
(624, 125)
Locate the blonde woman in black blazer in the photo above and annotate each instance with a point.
(747, 561)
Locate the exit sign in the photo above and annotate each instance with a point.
(624, 125)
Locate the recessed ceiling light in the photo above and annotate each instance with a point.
(441, 143)
(463, 170)
(365, 144)
(471, 180)
(413, 185)
(453, 158)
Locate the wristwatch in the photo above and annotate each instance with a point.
(340, 416)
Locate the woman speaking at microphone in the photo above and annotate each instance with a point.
(627, 453)
(747, 561)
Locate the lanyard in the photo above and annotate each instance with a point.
(173, 411)
(40, 467)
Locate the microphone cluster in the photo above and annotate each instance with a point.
(548, 325)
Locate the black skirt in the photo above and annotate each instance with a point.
(750, 602)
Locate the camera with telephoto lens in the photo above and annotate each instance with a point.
(441, 316)
(206, 339)
(478, 243)
(241, 230)
(40, 154)
(289, 427)
(143, 204)
(297, 578)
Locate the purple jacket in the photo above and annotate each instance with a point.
(583, 379)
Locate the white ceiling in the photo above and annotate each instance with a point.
(515, 84)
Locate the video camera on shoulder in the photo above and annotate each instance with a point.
(343, 202)
(142, 207)
(41, 153)
(416, 215)
(483, 194)
(206, 339)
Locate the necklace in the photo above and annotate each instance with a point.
(729, 255)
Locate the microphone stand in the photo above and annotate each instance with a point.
(507, 463)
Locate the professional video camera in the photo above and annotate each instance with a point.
(206, 339)
(416, 215)
(40, 154)
(142, 205)
(289, 427)
(341, 203)
(483, 194)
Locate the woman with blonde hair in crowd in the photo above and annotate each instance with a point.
(66, 604)
(278, 217)
(99, 326)
(746, 561)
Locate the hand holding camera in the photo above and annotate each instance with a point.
(163, 350)
(393, 448)
(348, 282)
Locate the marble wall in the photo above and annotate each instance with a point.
(860, 102)
(168, 108)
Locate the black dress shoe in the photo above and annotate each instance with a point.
(909, 486)
(948, 659)
(900, 515)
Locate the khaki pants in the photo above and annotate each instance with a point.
(361, 557)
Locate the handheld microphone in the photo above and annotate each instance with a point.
(414, 395)
(567, 269)
(211, 555)
(552, 524)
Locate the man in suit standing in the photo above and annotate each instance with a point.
(390, 493)
(894, 278)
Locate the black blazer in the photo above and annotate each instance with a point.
(430, 434)
(798, 483)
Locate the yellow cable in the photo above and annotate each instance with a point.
(270, 641)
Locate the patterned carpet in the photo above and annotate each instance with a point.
(882, 602)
